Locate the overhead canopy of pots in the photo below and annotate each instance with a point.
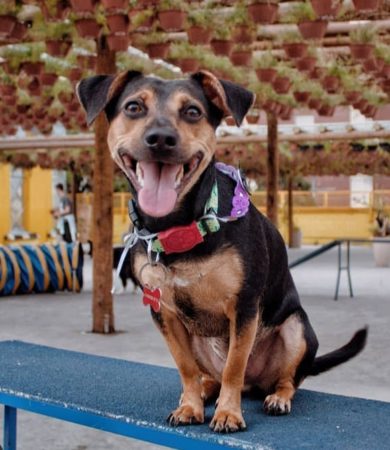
(294, 55)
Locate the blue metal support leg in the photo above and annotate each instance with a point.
(9, 436)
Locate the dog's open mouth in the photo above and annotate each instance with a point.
(159, 184)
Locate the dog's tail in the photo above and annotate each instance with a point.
(341, 355)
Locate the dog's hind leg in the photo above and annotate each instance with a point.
(210, 388)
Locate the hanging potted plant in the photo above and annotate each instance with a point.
(117, 23)
(362, 42)
(309, 26)
(263, 11)
(83, 6)
(265, 67)
(141, 20)
(326, 8)
(110, 5)
(241, 55)
(381, 232)
(172, 14)
(308, 62)
(316, 95)
(7, 18)
(186, 56)
(282, 81)
(244, 29)
(199, 31)
(366, 5)
(221, 43)
(156, 44)
(293, 45)
(58, 38)
(331, 81)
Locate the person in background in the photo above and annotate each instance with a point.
(66, 222)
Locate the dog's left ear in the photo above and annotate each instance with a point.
(232, 99)
(95, 93)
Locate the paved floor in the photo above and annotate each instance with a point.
(63, 320)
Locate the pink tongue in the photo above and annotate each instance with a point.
(157, 197)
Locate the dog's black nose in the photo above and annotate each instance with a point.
(162, 138)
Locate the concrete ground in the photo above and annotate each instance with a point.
(63, 320)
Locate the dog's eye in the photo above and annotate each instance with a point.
(134, 109)
(192, 113)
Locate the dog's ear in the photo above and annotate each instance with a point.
(94, 93)
(229, 97)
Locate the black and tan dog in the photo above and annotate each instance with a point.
(230, 313)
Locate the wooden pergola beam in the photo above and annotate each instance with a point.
(88, 140)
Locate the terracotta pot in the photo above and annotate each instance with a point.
(370, 111)
(48, 79)
(352, 96)
(19, 31)
(361, 51)
(263, 12)
(326, 110)
(158, 50)
(118, 42)
(241, 57)
(370, 65)
(221, 47)
(22, 109)
(188, 65)
(114, 4)
(266, 75)
(7, 89)
(386, 70)
(301, 96)
(34, 87)
(315, 29)
(58, 47)
(306, 64)
(314, 103)
(242, 35)
(7, 24)
(281, 84)
(316, 73)
(87, 28)
(331, 84)
(32, 68)
(75, 74)
(285, 112)
(172, 20)
(386, 85)
(326, 7)
(82, 5)
(118, 23)
(366, 5)
(199, 36)
(295, 49)
(253, 118)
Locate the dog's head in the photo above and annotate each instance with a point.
(162, 133)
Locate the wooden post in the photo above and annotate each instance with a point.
(272, 168)
(290, 218)
(103, 178)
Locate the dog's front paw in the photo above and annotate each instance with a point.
(186, 415)
(276, 406)
(227, 421)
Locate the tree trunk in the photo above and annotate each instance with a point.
(272, 168)
(103, 177)
(290, 218)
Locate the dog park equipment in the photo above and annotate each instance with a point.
(40, 268)
(133, 400)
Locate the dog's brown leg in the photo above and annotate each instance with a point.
(228, 416)
(191, 408)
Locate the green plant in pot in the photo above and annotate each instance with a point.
(362, 42)
(200, 27)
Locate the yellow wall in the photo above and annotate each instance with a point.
(37, 200)
(5, 204)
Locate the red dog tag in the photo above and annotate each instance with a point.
(180, 239)
(152, 297)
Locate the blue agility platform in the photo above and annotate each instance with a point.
(133, 400)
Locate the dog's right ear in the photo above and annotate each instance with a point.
(94, 93)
